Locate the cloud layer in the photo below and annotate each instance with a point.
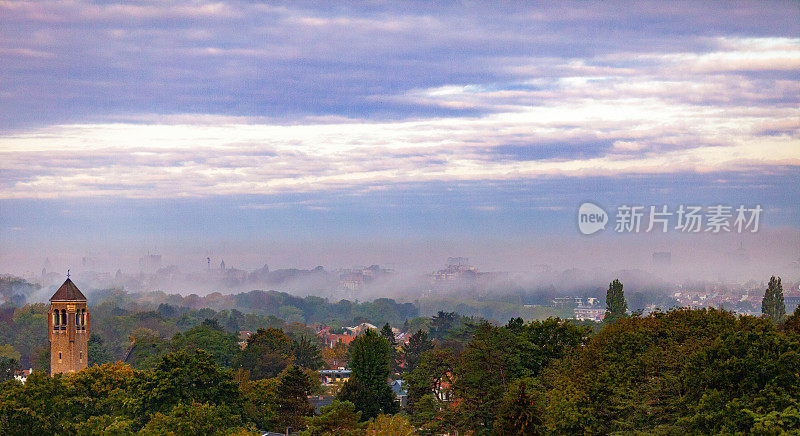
(154, 100)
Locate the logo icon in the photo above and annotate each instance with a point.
(591, 218)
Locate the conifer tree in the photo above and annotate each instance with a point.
(772, 305)
(368, 387)
(616, 306)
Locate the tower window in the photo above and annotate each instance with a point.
(63, 319)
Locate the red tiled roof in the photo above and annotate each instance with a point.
(68, 292)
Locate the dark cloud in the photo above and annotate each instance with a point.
(65, 62)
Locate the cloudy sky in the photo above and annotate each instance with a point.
(393, 132)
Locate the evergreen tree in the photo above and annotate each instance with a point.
(616, 306)
(292, 398)
(267, 353)
(772, 304)
(307, 354)
(340, 418)
(518, 415)
(387, 333)
(417, 344)
(368, 386)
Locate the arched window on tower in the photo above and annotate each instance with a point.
(78, 320)
(55, 320)
(83, 319)
(63, 319)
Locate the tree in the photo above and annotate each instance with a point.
(431, 379)
(519, 414)
(616, 306)
(442, 323)
(97, 352)
(147, 347)
(368, 388)
(792, 322)
(633, 375)
(772, 305)
(181, 377)
(268, 352)
(260, 402)
(754, 380)
(390, 425)
(197, 419)
(340, 418)
(387, 333)
(211, 337)
(336, 356)
(417, 344)
(292, 398)
(106, 389)
(7, 368)
(307, 353)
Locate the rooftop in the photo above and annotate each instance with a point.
(68, 292)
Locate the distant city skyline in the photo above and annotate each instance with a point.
(352, 133)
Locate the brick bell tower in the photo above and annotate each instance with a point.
(68, 329)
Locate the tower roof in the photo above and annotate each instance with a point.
(68, 292)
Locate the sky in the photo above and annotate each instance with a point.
(352, 133)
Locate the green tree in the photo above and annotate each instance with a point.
(519, 413)
(616, 306)
(181, 377)
(147, 347)
(7, 368)
(222, 345)
(632, 375)
(340, 418)
(268, 352)
(103, 390)
(292, 405)
(37, 407)
(432, 376)
(792, 322)
(388, 334)
(97, 351)
(417, 344)
(260, 402)
(511, 352)
(368, 388)
(744, 377)
(772, 305)
(195, 419)
(307, 353)
(443, 323)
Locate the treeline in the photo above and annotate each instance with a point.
(118, 319)
(684, 371)
(695, 371)
(310, 309)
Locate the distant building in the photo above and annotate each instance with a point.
(150, 263)
(361, 328)
(331, 376)
(68, 330)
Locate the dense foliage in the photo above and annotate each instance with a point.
(693, 371)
